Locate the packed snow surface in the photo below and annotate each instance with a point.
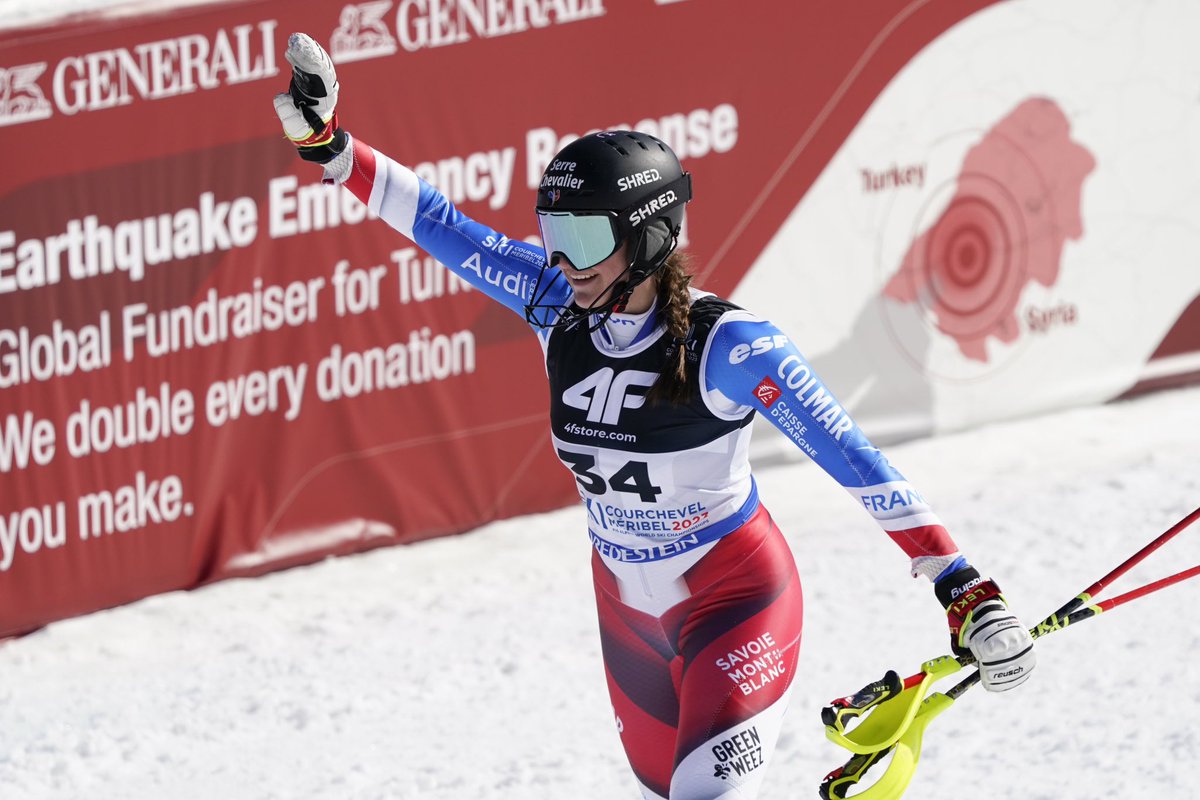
(468, 668)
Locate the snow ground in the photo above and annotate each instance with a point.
(468, 667)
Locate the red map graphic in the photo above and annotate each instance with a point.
(1016, 202)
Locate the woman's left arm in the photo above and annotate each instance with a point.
(750, 364)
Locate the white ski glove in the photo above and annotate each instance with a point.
(982, 626)
(307, 110)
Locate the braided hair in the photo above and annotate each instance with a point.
(674, 304)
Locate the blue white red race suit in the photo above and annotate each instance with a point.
(698, 595)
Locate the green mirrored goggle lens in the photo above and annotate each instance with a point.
(584, 240)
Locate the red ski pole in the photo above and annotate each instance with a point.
(1079, 608)
(911, 726)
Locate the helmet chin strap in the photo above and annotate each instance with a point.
(598, 313)
(623, 293)
(623, 285)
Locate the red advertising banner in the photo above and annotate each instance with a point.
(212, 365)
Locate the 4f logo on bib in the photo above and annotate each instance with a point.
(604, 393)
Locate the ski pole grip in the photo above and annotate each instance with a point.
(1058, 620)
(892, 704)
(844, 710)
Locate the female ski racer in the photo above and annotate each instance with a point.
(653, 385)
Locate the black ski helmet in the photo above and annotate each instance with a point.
(608, 188)
(627, 173)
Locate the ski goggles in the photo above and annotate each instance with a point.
(583, 238)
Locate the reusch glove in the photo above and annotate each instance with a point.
(307, 109)
(982, 626)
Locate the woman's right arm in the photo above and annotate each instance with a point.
(504, 269)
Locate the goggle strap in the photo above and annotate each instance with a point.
(681, 186)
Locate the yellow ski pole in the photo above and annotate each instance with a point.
(892, 714)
